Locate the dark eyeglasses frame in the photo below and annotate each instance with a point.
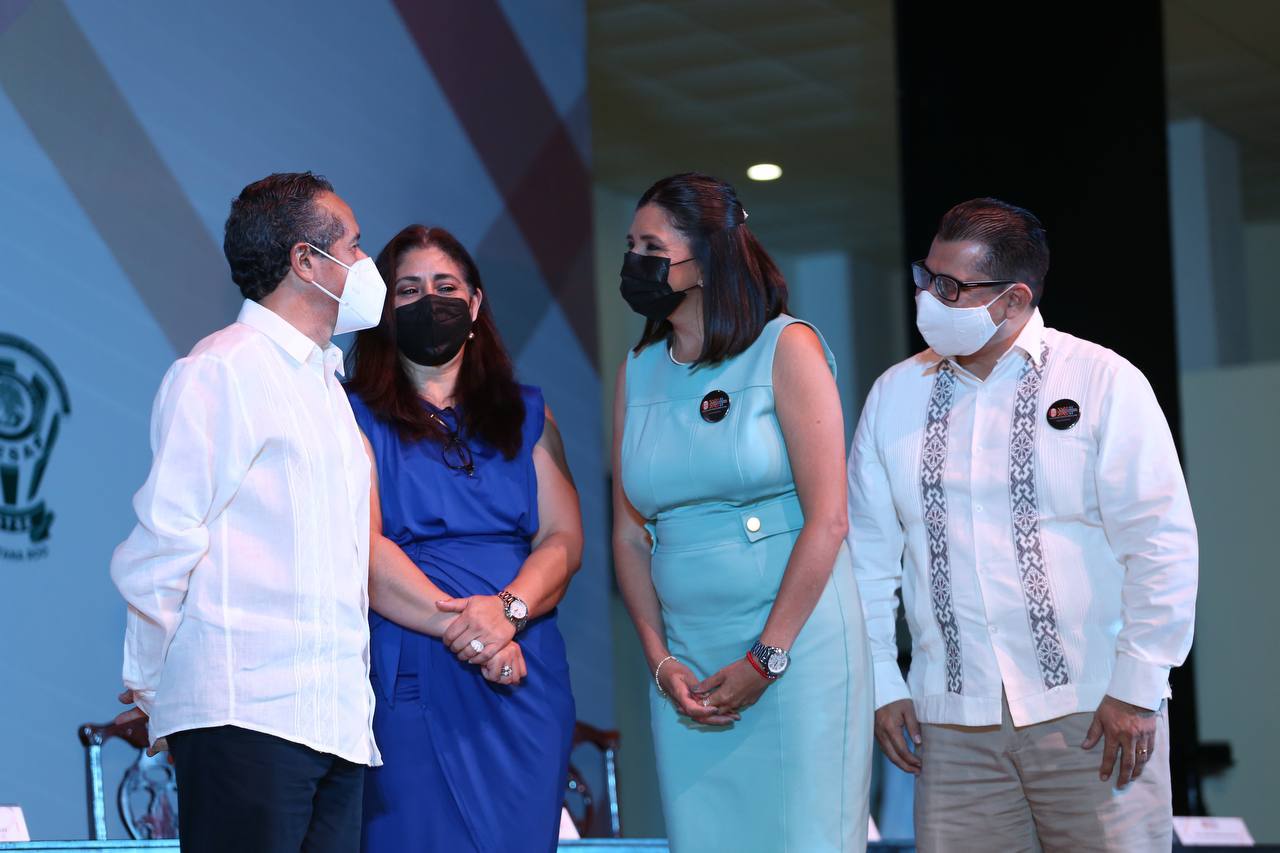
(454, 444)
(936, 280)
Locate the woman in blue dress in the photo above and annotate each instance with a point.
(476, 534)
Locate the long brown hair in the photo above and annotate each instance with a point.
(487, 395)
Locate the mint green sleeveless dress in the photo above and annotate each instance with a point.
(721, 506)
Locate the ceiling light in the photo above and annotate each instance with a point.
(764, 172)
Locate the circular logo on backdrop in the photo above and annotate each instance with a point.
(33, 403)
(714, 407)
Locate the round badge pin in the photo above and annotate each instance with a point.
(714, 407)
(1064, 414)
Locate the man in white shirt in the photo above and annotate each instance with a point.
(247, 643)
(1022, 489)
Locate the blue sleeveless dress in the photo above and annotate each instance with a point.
(721, 505)
(468, 765)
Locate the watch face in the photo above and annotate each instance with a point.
(778, 663)
(518, 609)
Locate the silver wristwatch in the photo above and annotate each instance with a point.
(772, 661)
(516, 611)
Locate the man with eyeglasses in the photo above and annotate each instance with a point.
(1020, 486)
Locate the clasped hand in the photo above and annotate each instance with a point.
(715, 701)
(484, 618)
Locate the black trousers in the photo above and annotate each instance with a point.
(241, 791)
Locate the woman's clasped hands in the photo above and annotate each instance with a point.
(481, 634)
(715, 701)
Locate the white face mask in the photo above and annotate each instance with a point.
(360, 306)
(954, 331)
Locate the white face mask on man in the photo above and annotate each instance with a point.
(955, 331)
(360, 306)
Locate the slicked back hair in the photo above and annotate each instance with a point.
(1017, 246)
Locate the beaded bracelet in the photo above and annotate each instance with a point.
(658, 672)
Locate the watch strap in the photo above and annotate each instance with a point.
(760, 656)
(507, 597)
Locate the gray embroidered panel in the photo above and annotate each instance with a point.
(1026, 526)
(933, 463)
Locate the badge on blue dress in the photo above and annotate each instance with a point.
(1063, 414)
(714, 407)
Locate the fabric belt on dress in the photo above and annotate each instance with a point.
(725, 525)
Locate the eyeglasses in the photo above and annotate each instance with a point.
(945, 286)
(455, 452)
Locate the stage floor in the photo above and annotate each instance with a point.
(593, 845)
(589, 845)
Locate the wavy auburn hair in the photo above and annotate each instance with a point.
(488, 399)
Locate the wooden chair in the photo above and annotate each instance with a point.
(147, 797)
(148, 793)
(579, 799)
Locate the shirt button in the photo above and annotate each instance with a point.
(753, 525)
(977, 508)
(993, 629)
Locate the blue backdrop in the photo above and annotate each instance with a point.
(125, 130)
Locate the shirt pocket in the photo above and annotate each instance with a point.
(1064, 463)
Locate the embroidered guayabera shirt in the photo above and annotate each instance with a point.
(1038, 526)
(247, 574)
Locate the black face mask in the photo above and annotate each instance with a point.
(432, 330)
(645, 288)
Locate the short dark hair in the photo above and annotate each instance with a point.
(742, 288)
(267, 219)
(1017, 247)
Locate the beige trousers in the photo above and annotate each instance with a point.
(1002, 788)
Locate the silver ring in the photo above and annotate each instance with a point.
(477, 646)
(505, 672)
(1143, 751)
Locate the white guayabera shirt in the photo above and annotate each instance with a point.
(247, 573)
(1038, 526)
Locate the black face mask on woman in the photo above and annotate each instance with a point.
(432, 330)
(645, 287)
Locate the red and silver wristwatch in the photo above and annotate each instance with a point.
(769, 661)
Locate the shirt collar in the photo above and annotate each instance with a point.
(298, 346)
(1030, 340)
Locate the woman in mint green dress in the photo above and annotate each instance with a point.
(729, 539)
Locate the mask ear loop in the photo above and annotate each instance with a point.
(1001, 293)
(997, 299)
(324, 289)
(329, 256)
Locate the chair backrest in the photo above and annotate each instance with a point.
(148, 793)
(579, 798)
